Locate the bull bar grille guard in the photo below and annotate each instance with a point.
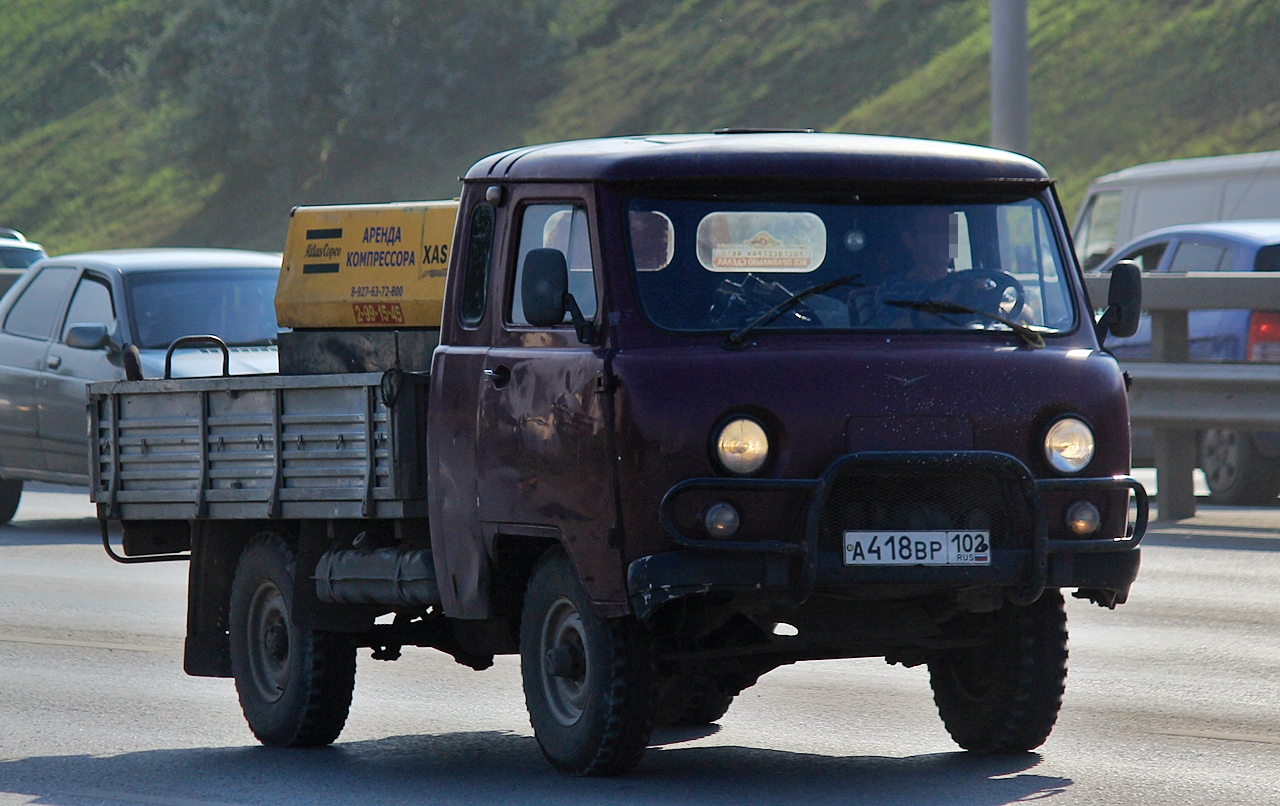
(804, 554)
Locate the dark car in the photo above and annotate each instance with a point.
(144, 297)
(1240, 467)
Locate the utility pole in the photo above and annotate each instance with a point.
(1010, 69)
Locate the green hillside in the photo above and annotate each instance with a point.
(100, 153)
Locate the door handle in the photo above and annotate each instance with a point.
(53, 361)
(498, 376)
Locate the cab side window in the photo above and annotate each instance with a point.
(475, 279)
(562, 227)
(91, 305)
(36, 311)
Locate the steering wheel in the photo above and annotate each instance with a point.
(977, 288)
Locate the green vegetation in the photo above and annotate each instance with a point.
(136, 122)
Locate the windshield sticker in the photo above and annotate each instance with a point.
(769, 242)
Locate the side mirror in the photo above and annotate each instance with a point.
(87, 337)
(1124, 302)
(543, 287)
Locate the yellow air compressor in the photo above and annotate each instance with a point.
(366, 266)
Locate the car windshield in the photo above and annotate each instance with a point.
(713, 265)
(237, 305)
(18, 257)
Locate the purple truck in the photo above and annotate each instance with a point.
(700, 406)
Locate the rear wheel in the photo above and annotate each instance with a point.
(10, 494)
(590, 684)
(1236, 472)
(1003, 696)
(295, 685)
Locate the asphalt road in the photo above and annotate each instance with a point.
(1172, 698)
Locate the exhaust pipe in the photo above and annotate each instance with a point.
(387, 576)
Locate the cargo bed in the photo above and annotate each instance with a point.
(260, 446)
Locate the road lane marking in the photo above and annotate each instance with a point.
(1226, 737)
(128, 797)
(15, 639)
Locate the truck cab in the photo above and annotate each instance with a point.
(705, 405)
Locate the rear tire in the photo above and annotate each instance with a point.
(295, 685)
(1004, 696)
(590, 684)
(1237, 474)
(10, 495)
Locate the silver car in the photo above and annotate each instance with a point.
(71, 319)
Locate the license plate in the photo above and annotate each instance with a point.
(917, 548)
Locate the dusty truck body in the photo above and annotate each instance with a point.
(701, 406)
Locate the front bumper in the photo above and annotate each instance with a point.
(1024, 559)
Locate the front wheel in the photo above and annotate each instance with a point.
(10, 495)
(1003, 695)
(295, 685)
(590, 684)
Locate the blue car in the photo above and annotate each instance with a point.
(1240, 467)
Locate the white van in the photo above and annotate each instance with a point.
(1129, 203)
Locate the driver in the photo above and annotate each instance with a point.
(920, 253)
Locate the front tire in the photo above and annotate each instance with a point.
(1004, 695)
(10, 495)
(1236, 473)
(295, 685)
(590, 684)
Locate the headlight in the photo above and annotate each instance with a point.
(1069, 445)
(742, 446)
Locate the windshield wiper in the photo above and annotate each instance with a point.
(937, 306)
(736, 339)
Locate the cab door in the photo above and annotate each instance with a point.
(64, 430)
(543, 459)
(457, 374)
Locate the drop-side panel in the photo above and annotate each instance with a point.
(267, 446)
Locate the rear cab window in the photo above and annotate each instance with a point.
(1267, 259)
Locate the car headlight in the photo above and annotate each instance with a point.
(1069, 444)
(742, 446)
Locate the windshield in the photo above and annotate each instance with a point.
(718, 266)
(18, 257)
(237, 305)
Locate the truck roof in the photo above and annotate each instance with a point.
(757, 155)
(159, 259)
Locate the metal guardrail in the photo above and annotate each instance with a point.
(1178, 398)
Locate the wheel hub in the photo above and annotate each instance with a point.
(268, 638)
(566, 669)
